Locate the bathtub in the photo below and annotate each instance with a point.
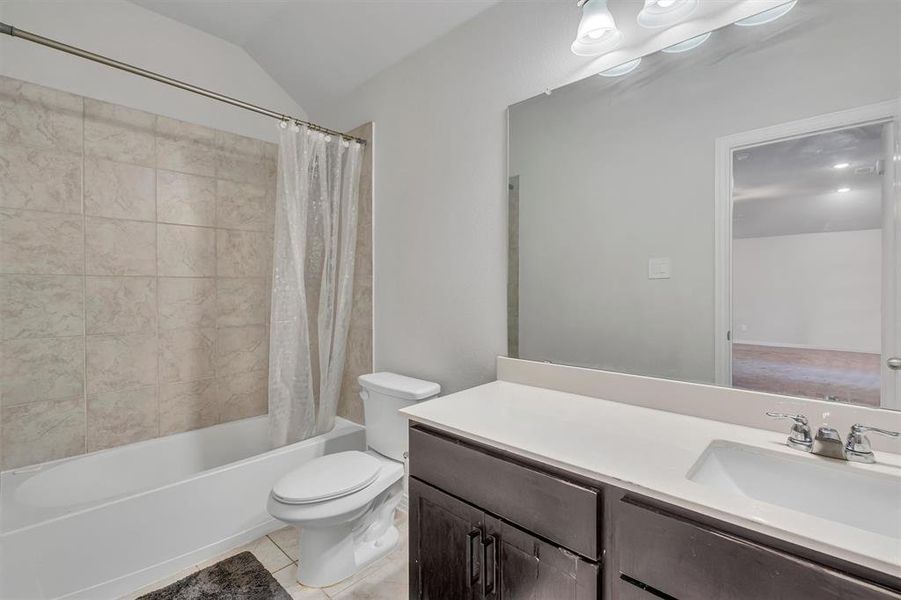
(107, 523)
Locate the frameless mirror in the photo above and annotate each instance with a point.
(726, 215)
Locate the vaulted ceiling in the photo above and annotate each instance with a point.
(319, 50)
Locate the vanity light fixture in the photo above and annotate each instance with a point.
(689, 44)
(843, 190)
(767, 16)
(620, 70)
(597, 31)
(663, 13)
(841, 166)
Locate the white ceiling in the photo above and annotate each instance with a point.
(319, 50)
(791, 187)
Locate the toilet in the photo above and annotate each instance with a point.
(343, 504)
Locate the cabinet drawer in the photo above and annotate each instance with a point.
(690, 561)
(558, 510)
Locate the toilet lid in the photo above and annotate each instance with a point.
(327, 477)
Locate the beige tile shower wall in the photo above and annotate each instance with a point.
(359, 336)
(135, 254)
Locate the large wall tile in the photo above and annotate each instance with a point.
(244, 206)
(244, 159)
(187, 354)
(119, 190)
(41, 242)
(34, 115)
(185, 199)
(120, 362)
(243, 395)
(187, 406)
(41, 306)
(120, 304)
(41, 369)
(124, 417)
(186, 302)
(118, 133)
(186, 251)
(185, 147)
(114, 247)
(243, 253)
(242, 349)
(243, 301)
(40, 179)
(41, 431)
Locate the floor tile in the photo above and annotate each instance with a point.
(388, 582)
(286, 577)
(286, 539)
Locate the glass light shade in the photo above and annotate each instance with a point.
(620, 70)
(597, 31)
(689, 44)
(663, 13)
(767, 16)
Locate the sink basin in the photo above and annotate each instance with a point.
(834, 490)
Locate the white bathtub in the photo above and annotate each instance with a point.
(105, 524)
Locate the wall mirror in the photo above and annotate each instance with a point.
(725, 215)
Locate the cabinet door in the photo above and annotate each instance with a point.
(519, 566)
(445, 546)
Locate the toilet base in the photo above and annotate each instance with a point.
(329, 556)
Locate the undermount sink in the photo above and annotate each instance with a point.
(825, 488)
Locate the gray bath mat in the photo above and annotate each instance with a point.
(240, 577)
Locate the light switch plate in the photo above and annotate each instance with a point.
(660, 268)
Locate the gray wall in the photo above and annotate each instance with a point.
(614, 172)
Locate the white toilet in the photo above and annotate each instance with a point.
(343, 504)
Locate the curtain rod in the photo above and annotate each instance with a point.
(37, 39)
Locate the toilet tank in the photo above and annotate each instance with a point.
(384, 394)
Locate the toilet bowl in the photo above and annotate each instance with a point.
(343, 504)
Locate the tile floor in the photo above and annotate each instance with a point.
(385, 579)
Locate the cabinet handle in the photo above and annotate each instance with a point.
(489, 543)
(471, 537)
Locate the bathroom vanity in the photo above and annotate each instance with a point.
(521, 492)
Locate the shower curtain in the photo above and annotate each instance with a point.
(312, 280)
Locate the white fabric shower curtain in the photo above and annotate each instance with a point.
(312, 280)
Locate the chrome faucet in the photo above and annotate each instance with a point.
(828, 442)
(799, 437)
(858, 447)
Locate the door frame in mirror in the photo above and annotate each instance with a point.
(725, 147)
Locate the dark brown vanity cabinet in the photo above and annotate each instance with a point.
(480, 528)
(458, 551)
(485, 525)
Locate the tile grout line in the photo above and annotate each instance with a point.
(84, 282)
(156, 239)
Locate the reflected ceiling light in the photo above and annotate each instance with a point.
(767, 16)
(663, 13)
(689, 44)
(620, 70)
(597, 31)
(843, 190)
(841, 166)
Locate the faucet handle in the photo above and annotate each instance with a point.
(858, 448)
(799, 438)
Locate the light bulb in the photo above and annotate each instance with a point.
(597, 31)
(663, 13)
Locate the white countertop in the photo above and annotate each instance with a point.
(648, 452)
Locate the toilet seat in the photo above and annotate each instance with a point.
(327, 478)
